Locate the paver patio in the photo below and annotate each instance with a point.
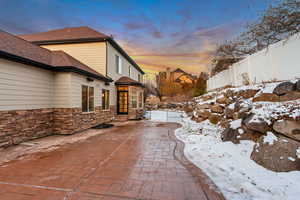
(132, 161)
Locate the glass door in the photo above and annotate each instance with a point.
(122, 102)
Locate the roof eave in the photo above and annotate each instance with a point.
(69, 41)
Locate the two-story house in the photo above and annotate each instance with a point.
(64, 81)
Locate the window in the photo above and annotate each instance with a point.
(87, 96)
(134, 100)
(118, 65)
(140, 78)
(141, 100)
(105, 99)
(129, 71)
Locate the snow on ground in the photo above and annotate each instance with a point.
(229, 165)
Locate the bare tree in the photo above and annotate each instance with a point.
(277, 23)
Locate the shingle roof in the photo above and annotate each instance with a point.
(17, 49)
(124, 80)
(65, 34)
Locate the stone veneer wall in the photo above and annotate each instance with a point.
(22, 125)
(71, 120)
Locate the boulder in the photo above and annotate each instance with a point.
(267, 97)
(224, 123)
(224, 100)
(236, 135)
(229, 93)
(217, 108)
(215, 118)
(204, 114)
(284, 88)
(203, 106)
(229, 112)
(256, 124)
(297, 85)
(288, 127)
(279, 156)
(246, 94)
(290, 96)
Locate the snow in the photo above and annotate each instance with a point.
(298, 153)
(292, 159)
(270, 138)
(236, 124)
(230, 167)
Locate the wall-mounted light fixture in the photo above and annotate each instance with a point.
(89, 79)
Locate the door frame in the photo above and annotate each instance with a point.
(118, 104)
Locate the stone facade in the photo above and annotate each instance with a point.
(71, 120)
(22, 125)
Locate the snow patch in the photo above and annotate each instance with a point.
(236, 124)
(270, 138)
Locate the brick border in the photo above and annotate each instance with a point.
(210, 189)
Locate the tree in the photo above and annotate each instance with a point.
(277, 23)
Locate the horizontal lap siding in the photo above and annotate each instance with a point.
(24, 87)
(62, 90)
(92, 54)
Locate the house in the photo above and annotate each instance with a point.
(176, 76)
(64, 81)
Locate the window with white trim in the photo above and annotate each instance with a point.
(134, 99)
(129, 70)
(118, 64)
(105, 99)
(87, 97)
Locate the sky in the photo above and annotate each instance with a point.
(156, 33)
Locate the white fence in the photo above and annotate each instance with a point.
(281, 61)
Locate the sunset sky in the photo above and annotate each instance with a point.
(156, 33)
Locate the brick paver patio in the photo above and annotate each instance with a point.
(134, 161)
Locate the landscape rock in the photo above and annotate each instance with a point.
(229, 112)
(297, 85)
(279, 156)
(215, 118)
(249, 93)
(256, 124)
(224, 100)
(203, 106)
(204, 114)
(290, 96)
(267, 97)
(236, 135)
(284, 88)
(288, 127)
(217, 108)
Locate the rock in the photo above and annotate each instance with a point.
(229, 93)
(256, 124)
(224, 123)
(224, 100)
(197, 119)
(236, 135)
(279, 156)
(267, 97)
(288, 127)
(215, 118)
(188, 109)
(203, 106)
(284, 88)
(204, 114)
(297, 85)
(290, 96)
(206, 97)
(217, 108)
(229, 112)
(246, 94)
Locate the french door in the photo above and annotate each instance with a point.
(122, 104)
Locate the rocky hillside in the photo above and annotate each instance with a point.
(268, 114)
